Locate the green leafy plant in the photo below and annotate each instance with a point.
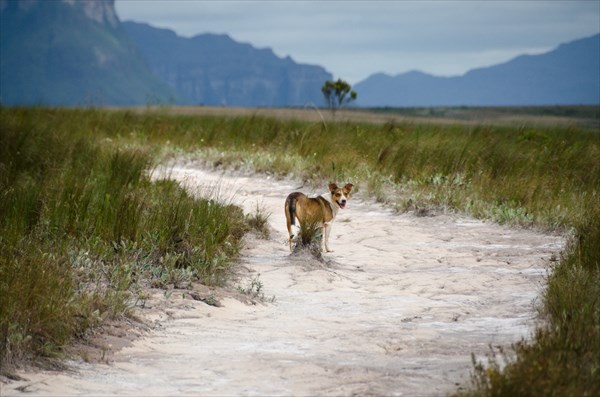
(254, 288)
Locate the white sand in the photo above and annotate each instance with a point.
(398, 310)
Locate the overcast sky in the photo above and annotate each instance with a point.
(354, 39)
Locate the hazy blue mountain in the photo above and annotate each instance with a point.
(213, 69)
(71, 53)
(67, 52)
(570, 74)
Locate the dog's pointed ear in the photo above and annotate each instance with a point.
(332, 187)
(348, 187)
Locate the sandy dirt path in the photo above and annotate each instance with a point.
(397, 310)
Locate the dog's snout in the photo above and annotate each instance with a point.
(343, 201)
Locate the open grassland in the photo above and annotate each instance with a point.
(545, 116)
(81, 222)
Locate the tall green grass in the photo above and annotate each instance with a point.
(83, 229)
(529, 176)
(537, 176)
(546, 177)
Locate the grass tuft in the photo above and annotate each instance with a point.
(310, 238)
(259, 221)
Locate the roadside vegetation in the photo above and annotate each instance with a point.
(78, 213)
(83, 230)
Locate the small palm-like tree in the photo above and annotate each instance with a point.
(337, 94)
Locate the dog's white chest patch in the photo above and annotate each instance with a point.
(333, 205)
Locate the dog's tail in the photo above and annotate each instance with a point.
(290, 208)
(290, 214)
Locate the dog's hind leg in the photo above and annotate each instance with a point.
(290, 217)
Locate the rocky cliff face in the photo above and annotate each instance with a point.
(101, 11)
(71, 52)
(77, 52)
(216, 70)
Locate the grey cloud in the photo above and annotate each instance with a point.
(357, 38)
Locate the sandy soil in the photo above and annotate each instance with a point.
(396, 309)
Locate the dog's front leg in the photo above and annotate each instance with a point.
(326, 231)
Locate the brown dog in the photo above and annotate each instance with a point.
(321, 209)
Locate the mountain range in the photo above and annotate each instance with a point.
(78, 53)
(569, 74)
(213, 69)
(70, 53)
